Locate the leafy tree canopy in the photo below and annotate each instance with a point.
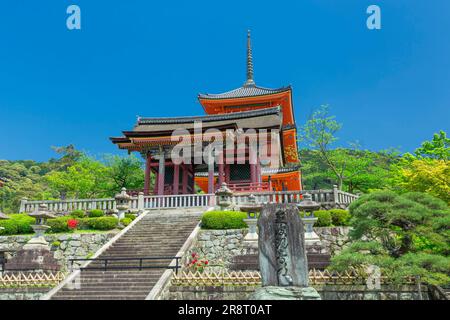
(405, 235)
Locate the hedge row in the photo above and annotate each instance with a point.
(234, 219)
(21, 224)
(224, 220)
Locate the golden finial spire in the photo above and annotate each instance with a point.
(250, 81)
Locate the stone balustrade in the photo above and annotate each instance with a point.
(331, 198)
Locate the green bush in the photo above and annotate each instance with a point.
(96, 213)
(323, 218)
(102, 223)
(224, 220)
(126, 221)
(59, 224)
(340, 217)
(130, 216)
(17, 224)
(78, 214)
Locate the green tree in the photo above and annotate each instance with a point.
(405, 235)
(427, 170)
(438, 148)
(125, 172)
(87, 178)
(349, 168)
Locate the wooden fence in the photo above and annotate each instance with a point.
(252, 278)
(30, 279)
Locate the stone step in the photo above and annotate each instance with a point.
(154, 235)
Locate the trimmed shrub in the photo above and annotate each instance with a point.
(59, 224)
(126, 221)
(78, 214)
(340, 217)
(130, 216)
(323, 218)
(224, 220)
(102, 223)
(17, 224)
(96, 213)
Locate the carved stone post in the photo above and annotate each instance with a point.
(335, 195)
(23, 203)
(141, 202)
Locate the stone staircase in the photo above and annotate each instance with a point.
(155, 235)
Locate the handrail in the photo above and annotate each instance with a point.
(139, 267)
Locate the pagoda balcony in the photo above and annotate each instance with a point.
(246, 187)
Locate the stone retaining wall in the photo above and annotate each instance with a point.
(22, 293)
(65, 246)
(219, 246)
(328, 292)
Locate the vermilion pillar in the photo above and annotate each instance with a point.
(176, 178)
(147, 175)
(211, 178)
(161, 173)
(184, 180)
(227, 173)
(221, 174)
(253, 172)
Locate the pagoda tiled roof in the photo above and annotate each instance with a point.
(243, 92)
(210, 117)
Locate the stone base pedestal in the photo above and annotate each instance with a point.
(285, 293)
(32, 260)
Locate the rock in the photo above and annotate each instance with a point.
(75, 244)
(58, 255)
(208, 244)
(285, 293)
(63, 237)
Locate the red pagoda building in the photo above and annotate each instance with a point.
(249, 107)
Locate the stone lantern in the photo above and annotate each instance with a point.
(224, 197)
(122, 203)
(252, 208)
(41, 214)
(308, 206)
(3, 217)
(35, 254)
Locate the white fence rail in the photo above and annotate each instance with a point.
(328, 198)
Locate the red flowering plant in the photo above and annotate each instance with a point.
(72, 224)
(196, 264)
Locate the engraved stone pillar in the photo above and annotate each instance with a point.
(282, 255)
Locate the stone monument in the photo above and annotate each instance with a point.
(35, 254)
(282, 255)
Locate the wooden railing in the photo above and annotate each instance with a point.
(250, 187)
(330, 198)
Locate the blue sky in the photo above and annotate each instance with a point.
(389, 87)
